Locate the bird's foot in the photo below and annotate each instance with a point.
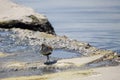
(50, 62)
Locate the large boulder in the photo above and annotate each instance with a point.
(16, 16)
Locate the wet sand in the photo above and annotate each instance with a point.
(104, 73)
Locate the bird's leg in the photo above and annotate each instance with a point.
(48, 59)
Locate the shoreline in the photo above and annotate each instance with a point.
(36, 38)
(104, 73)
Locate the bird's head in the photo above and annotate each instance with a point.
(42, 44)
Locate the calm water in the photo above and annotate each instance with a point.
(93, 21)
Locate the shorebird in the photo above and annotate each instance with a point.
(46, 51)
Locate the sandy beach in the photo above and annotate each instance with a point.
(104, 73)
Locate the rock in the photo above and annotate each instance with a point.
(16, 16)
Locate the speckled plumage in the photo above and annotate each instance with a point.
(46, 51)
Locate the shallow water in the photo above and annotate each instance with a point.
(94, 21)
